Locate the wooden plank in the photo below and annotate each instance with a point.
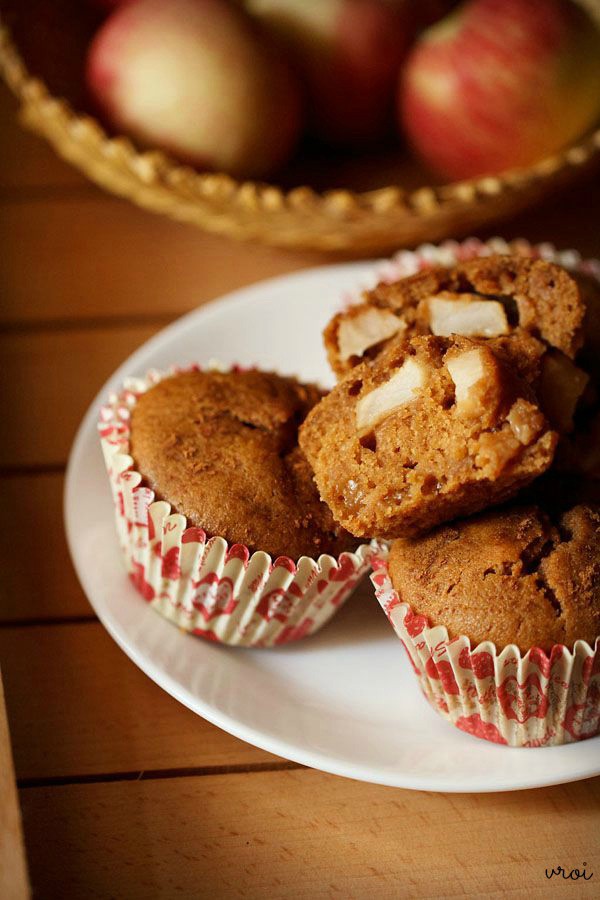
(94, 255)
(306, 835)
(27, 163)
(13, 871)
(78, 707)
(146, 265)
(53, 379)
(31, 512)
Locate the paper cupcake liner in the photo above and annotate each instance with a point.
(204, 585)
(534, 699)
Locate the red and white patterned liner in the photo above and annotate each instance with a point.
(204, 585)
(531, 700)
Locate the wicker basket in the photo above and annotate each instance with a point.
(336, 220)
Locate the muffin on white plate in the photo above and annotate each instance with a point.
(220, 523)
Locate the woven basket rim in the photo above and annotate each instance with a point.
(155, 167)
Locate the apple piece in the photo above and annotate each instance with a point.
(496, 450)
(499, 84)
(467, 370)
(526, 421)
(371, 326)
(562, 383)
(466, 315)
(349, 53)
(195, 78)
(400, 389)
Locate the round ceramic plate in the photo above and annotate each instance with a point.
(345, 700)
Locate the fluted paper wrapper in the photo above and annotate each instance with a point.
(204, 585)
(534, 699)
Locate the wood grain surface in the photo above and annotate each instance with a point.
(124, 792)
(59, 372)
(48, 590)
(305, 834)
(98, 712)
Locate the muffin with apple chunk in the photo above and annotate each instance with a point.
(435, 428)
(536, 313)
(485, 297)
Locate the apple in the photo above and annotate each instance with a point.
(195, 78)
(500, 84)
(349, 53)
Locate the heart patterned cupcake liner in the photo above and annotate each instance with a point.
(534, 699)
(204, 585)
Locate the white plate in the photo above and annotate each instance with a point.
(345, 700)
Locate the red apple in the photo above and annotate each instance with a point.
(349, 53)
(194, 77)
(500, 84)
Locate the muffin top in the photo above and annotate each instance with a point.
(511, 576)
(222, 449)
(482, 298)
(433, 429)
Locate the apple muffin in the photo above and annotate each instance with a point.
(433, 428)
(511, 576)
(222, 449)
(485, 297)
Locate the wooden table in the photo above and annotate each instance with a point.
(124, 792)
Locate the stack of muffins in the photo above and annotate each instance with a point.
(462, 425)
(463, 430)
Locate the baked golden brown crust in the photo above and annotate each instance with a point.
(434, 428)
(222, 449)
(528, 295)
(510, 576)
